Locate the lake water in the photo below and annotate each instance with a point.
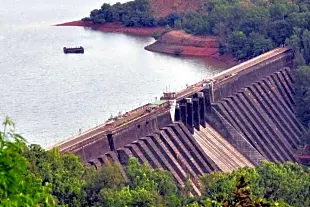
(50, 95)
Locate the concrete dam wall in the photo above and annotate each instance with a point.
(235, 119)
(172, 148)
(263, 113)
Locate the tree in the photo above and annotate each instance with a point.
(302, 94)
(127, 197)
(298, 60)
(221, 31)
(242, 196)
(144, 187)
(172, 18)
(300, 20)
(286, 181)
(156, 180)
(65, 172)
(133, 13)
(255, 20)
(280, 30)
(259, 44)
(106, 178)
(278, 11)
(273, 182)
(238, 45)
(294, 43)
(241, 192)
(306, 45)
(195, 23)
(19, 187)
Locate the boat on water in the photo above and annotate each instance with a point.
(73, 49)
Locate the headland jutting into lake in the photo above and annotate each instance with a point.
(169, 42)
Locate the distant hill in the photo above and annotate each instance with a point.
(162, 8)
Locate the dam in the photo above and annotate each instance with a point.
(237, 118)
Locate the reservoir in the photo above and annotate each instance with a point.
(51, 95)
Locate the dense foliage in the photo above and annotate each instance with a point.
(31, 176)
(18, 186)
(74, 184)
(302, 94)
(286, 182)
(248, 28)
(65, 172)
(133, 13)
(302, 98)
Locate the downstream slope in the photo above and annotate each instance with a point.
(172, 148)
(263, 112)
(219, 150)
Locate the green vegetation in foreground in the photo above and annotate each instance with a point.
(31, 176)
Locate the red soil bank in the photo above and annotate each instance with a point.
(116, 27)
(185, 44)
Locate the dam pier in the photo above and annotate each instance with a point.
(235, 119)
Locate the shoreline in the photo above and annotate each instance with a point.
(175, 42)
(115, 27)
(178, 42)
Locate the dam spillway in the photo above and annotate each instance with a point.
(237, 118)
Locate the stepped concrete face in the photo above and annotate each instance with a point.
(172, 148)
(238, 118)
(226, 157)
(110, 136)
(263, 113)
(252, 108)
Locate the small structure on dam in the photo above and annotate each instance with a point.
(237, 118)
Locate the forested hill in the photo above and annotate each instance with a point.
(144, 12)
(243, 28)
(133, 13)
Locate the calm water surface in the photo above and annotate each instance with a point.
(50, 95)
